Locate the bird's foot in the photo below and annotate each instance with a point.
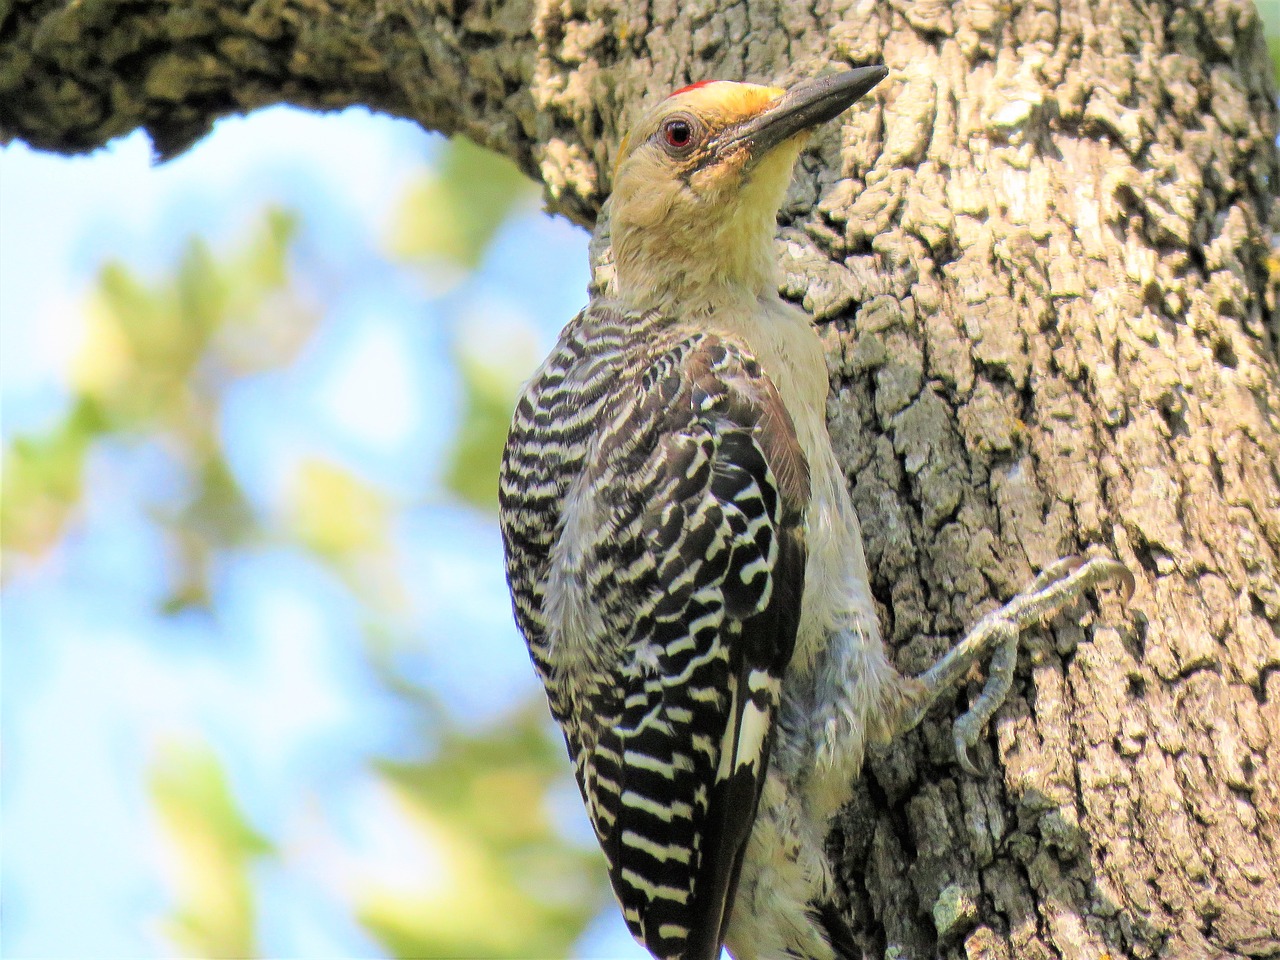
(998, 632)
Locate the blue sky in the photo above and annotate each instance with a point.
(94, 682)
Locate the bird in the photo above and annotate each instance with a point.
(684, 558)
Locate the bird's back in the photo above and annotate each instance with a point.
(556, 421)
(652, 496)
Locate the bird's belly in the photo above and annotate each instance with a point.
(840, 691)
(837, 594)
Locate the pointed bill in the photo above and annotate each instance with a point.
(806, 105)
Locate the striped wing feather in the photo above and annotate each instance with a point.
(677, 573)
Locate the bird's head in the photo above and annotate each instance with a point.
(700, 178)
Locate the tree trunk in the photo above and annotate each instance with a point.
(1041, 264)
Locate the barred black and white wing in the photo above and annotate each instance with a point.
(662, 611)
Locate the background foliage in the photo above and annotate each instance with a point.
(312, 411)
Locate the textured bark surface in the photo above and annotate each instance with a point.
(1040, 260)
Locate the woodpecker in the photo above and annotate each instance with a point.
(684, 558)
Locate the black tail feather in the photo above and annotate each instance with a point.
(843, 942)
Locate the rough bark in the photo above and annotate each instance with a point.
(1041, 263)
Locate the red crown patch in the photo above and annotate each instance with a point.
(692, 86)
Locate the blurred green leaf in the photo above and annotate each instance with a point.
(40, 482)
(155, 360)
(1269, 12)
(334, 512)
(213, 846)
(492, 367)
(514, 887)
(489, 397)
(453, 211)
(347, 522)
(217, 517)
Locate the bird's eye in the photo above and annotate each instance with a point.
(678, 133)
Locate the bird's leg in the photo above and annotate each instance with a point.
(998, 632)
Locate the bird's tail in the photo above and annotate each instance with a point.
(843, 943)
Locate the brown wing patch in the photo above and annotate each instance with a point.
(701, 566)
(752, 398)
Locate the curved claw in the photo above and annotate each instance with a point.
(998, 632)
(968, 728)
(966, 740)
(1115, 570)
(1099, 570)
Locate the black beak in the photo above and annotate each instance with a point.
(807, 104)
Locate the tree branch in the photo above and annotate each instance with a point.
(75, 75)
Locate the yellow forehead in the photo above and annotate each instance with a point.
(722, 100)
(718, 103)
